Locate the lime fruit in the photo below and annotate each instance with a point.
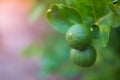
(83, 58)
(79, 36)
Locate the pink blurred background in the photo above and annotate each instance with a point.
(16, 33)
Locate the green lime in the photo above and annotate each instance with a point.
(79, 36)
(83, 58)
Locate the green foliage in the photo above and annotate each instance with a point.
(102, 16)
(104, 31)
(61, 17)
(57, 55)
(115, 21)
(70, 3)
(106, 66)
(116, 13)
(33, 50)
(91, 10)
(88, 12)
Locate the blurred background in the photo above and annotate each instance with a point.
(31, 50)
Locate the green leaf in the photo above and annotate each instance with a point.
(115, 1)
(113, 8)
(115, 21)
(69, 70)
(104, 32)
(62, 18)
(91, 10)
(50, 64)
(33, 50)
(36, 12)
(116, 18)
(70, 3)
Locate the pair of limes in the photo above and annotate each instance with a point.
(79, 38)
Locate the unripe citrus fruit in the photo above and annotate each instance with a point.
(79, 36)
(83, 58)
